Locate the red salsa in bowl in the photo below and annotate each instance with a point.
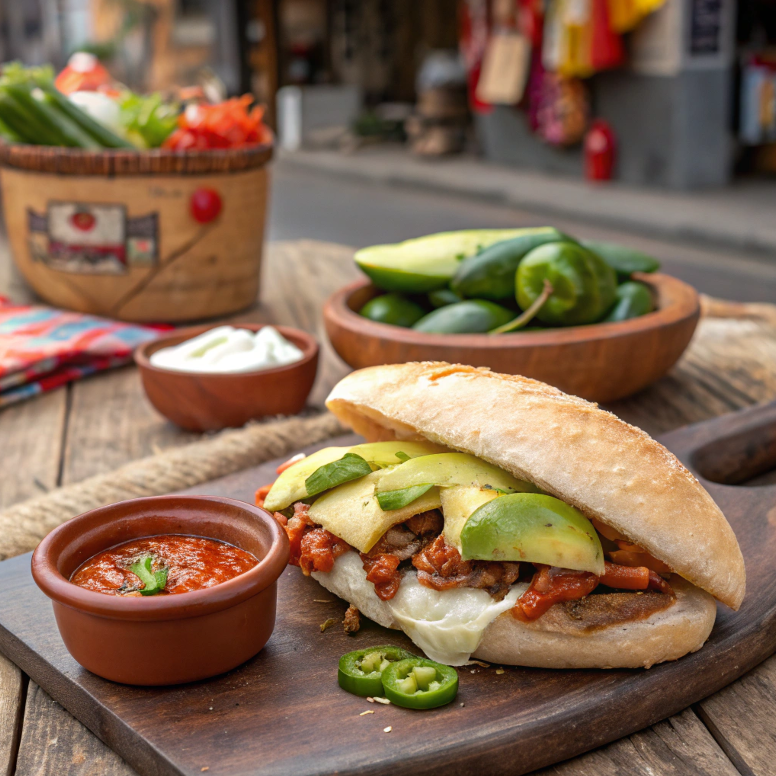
(162, 565)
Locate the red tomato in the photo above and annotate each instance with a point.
(83, 221)
(206, 204)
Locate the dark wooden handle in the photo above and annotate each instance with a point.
(730, 450)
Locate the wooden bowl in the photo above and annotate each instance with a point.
(171, 639)
(113, 233)
(601, 362)
(203, 401)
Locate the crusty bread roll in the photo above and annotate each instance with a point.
(577, 452)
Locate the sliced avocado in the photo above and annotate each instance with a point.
(352, 512)
(425, 263)
(383, 454)
(534, 528)
(449, 469)
(458, 504)
(290, 485)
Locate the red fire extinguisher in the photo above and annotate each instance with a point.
(600, 148)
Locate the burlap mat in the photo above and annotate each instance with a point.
(23, 525)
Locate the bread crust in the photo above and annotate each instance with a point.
(552, 642)
(569, 447)
(669, 634)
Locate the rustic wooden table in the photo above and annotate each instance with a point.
(101, 423)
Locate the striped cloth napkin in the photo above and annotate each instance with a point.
(42, 348)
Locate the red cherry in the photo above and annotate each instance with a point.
(83, 221)
(206, 204)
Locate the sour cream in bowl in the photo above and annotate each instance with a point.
(226, 349)
(208, 378)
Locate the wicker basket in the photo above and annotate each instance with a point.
(113, 232)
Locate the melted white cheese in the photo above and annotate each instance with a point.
(447, 625)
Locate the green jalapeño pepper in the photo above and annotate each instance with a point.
(394, 309)
(470, 317)
(443, 297)
(360, 672)
(417, 683)
(624, 261)
(491, 273)
(583, 286)
(633, 299)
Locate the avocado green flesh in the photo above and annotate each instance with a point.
(449, 469)
(534, 528)
(290, 485)
(458, 504)
(425, 263)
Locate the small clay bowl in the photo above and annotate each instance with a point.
(202, 401)
(601, 362)
(172, 639)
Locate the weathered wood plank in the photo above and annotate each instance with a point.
(299, 277)
(31, 446)
(741, 719)
(679, 746)
(111, 423)
(12, 687)
(56, 743)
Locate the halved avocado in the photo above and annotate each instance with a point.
(449, 469)
(534, 528)
(290, 487)
(425, 263)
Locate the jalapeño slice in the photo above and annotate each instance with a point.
(417, 683)
(360, 672)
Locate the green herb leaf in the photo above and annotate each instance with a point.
(349, 467)
(154, 581)
(402, 456)
(396, 499)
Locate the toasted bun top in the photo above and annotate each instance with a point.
(567, 446)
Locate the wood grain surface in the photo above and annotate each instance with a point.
(52, 741)
(12, 688)
(511, 723)
(105, 421)
(680, 746)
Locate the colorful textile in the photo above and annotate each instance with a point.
(42, 348)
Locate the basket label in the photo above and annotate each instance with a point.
(92, 239)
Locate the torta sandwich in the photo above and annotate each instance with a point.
(495, 517)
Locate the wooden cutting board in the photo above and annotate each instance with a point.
(282, 712)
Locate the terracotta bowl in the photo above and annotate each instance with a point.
(171, 639)
(601, 362)
(201, 401)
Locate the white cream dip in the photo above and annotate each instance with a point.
(226, 349)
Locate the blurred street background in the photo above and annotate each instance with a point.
(656, 128)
